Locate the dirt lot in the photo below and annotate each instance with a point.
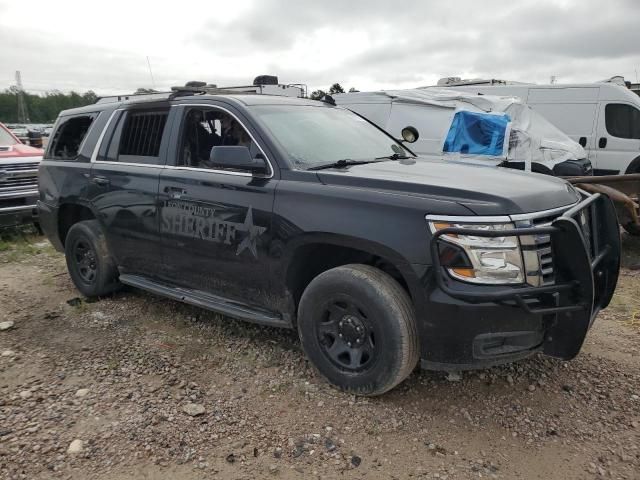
(153, 389)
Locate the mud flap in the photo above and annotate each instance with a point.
(587, 253)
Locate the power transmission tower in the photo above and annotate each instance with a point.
(23, 116)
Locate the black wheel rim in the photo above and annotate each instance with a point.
(346, 336)
(85, 260)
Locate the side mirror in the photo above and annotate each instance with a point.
(410, 134)
(237, 157)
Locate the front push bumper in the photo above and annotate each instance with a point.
(492, 325)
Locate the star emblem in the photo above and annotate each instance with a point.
(253, 232)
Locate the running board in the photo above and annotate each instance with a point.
(208, 301)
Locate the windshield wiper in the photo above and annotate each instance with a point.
(345, 162)
(393, 156)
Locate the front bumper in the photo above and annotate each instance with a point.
(573, 168)
(18, 208)
(488, 325)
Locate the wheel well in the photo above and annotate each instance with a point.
(70, 214)
(634, 166)
(311, 260)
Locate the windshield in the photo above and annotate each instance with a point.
(6, 138)
(319, 135)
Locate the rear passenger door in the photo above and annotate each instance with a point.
(124, 185)
(216, 224)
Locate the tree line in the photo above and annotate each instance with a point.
(333, 89)
(41, 108)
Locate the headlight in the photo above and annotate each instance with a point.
(496, 260)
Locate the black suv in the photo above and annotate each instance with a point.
(296, 213)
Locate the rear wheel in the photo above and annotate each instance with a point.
(90, 266)
(358, 328)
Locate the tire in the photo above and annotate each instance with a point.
(92, 269)
(357, 327)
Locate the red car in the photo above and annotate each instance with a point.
(18, 180)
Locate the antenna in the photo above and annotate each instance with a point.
(23, 116)
(153, 82)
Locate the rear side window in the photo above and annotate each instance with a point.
(69, 136)
(136, 137)
(622, 121)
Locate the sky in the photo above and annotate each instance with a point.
(366, 44)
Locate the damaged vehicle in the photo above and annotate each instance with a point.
(18, 180)
(298, 214)
(466, 127)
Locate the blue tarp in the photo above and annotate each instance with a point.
(474, 133)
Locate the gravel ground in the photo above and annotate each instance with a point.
(139, 387)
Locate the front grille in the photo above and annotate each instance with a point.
(536, 249)
(17, 184)
(18, 177)
(19, 167)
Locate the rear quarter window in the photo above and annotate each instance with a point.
(69, 136)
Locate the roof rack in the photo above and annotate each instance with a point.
(262, 85)
(457, 81)
(131, 96)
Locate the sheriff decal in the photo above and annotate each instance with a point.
(195, 221)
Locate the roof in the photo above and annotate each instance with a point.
(242, 99)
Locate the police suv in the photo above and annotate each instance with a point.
(296, 213)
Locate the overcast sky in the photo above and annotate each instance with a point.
(368, 44)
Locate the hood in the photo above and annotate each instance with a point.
(485, 191)
(19, 150)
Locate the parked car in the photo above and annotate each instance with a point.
(604, 117)
(461, 126)
(18, 180)
(21, 132)
(298, 214)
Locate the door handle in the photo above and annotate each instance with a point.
(175, 192)
(583, 141)
(101, 181)
(602, 143)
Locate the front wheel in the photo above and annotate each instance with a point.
(357, 326)
(90, 266)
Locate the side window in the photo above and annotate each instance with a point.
(622, 121)
(69, 136)
(135, 137)
(205, 128)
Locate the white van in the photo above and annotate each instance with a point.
(466, 127)
(603, 117)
